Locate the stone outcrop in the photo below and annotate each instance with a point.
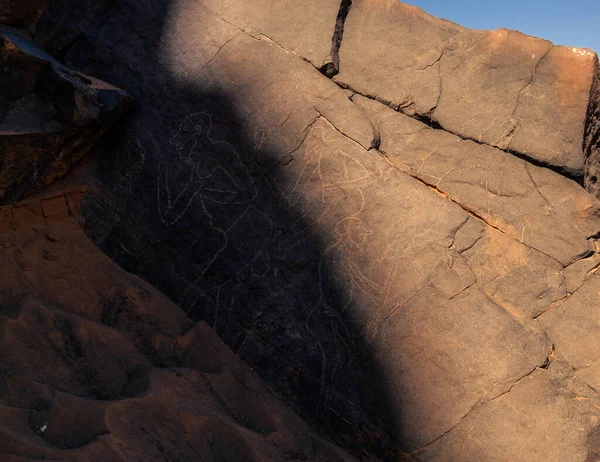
(534, 205)
(379, 211)
(99, 365)
(49, 116)
(500, 87)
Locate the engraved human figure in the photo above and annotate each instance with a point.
(205, 169)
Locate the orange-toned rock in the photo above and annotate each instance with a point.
(401, 287)
(500, 87)
(95, 364)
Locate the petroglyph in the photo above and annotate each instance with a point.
(207, 171)
(387, 278)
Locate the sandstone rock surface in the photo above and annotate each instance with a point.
(498, 87)
(21, 13)
(380, 212)
(99, 365)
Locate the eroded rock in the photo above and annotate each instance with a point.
(50, 116)
(99, 365)
(389, 280)
(500, 87)
(534, 205)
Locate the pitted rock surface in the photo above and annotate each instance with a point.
(99, 365)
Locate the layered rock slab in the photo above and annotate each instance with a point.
(404, 290)
(49, 116)
(99, 365)
(499, 87)
(523, 424)
(534, 205)
(400, 63)
(306, 28)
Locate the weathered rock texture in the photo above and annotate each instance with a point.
(49, 116)
(592, 138)
(498, 87)
(98, 365)
(374, 208)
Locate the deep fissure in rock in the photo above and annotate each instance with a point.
(591, 140)
(332, 67)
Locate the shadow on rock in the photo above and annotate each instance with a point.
(214, 193)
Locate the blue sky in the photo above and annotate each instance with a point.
(574, 23)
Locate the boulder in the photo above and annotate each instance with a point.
(50, 116)
(99, 365)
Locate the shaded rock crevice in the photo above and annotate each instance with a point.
(591, 146)
(332, 67)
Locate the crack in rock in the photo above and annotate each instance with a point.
(591, 140)
(332, 66)
(465, 207)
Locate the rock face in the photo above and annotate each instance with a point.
(303, 28)
(499, 87)
(99, 365)
(379, 211)
(50, 116)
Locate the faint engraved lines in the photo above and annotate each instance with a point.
(213, 172)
